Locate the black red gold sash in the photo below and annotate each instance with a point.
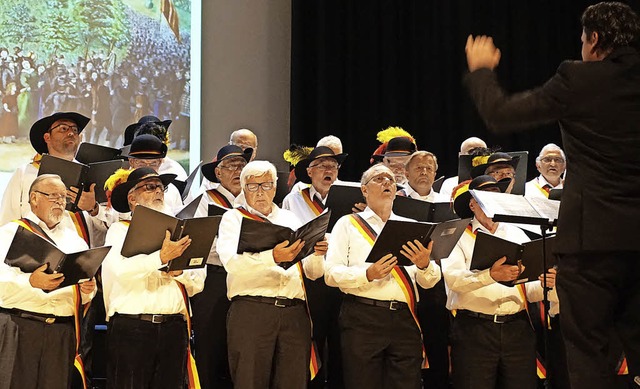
(543, 189)
(314, 360)
(36, 161)
(316, 206)
(77, 301)
(219, 199)
(192, 370)
(82, 227)
(399, 273)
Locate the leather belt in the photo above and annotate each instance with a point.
(499, 319)
(391, 305)
(41, 317)
(155, 319)
(281, 302)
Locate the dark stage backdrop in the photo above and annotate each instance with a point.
(360, 66)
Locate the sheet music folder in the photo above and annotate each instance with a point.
(340, 201)
(79, 175)
(147, 231)
(256, 236)
(423, 211)
(511, 208)
(489, 248)
(29, 251)
(396, 233)
(185, 186)
(90, 152)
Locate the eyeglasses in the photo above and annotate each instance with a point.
(422, 168)
(152, 163)
(253, 187)
(64, 128)
(557, 160)
(500, 174)
(381, 180)
(54, 197)
(234, 167)
(152, 187)
(326, 166)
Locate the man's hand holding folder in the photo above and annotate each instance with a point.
(503, 272)
(170, 249)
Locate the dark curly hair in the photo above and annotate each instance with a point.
(154, 129)
(616, 24)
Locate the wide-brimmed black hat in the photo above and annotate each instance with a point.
(41, 127)
(147, 146)
(317, 153)
(462, 196)
(130, 131)
(119, 194)
(229, 151)
(499, 158)
(400, 146)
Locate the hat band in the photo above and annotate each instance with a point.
(146, 152)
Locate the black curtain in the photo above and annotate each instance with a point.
(359, 66)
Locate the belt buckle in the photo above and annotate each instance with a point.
(50, 320)
(279, 304)
(495, 319)
(156, 319)
(393, 305)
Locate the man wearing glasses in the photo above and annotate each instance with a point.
(380, 339)
(320, 170)
(57, 135)
(269, 332)
(210, 307)
(145, 306)
(33, 312)
(551, 163)
(499, 166)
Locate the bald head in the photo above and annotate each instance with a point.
(245, 138)
(470, 144)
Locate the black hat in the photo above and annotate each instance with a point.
(130, 131)
(317, 153)
(119, 194)
(462, 196)
(147, 146)
(39, 128)
(400, 146)
(229, 151)
(498, 158)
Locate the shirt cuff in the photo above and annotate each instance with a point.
(484, 277)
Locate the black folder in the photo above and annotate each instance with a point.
(256, 236)
(147, 231)
(185, 186)
(517, 209)
(423, 211)
(29, 251)
(465, 162)
(282, 187)
(397, 233)
(91, 152)
(80, 175)
(489, 248)
(216, 210)
(437, 184)
(190, 209)
(340, 201)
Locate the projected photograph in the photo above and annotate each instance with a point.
(114, 61)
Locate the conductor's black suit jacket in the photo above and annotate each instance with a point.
(597, 105)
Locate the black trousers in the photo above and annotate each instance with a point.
(324, 304)
(269, 346)
(43, 355)
(209, 323)
(599, 294)
(142, 355)
(381, 348)
(435, 320)
(489, 355)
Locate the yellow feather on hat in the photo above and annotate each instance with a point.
(118, 177)
(296, 153)
(479, 160)
(389, 133)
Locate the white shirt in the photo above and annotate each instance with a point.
(534, 187)
(475, 290)
(134, 285)
(203, 211)
(346, 268)
(447, 187)
(15, 201)
(170, 166)
(295, 203)
(432, 197)
(15, 289)
(256, 274)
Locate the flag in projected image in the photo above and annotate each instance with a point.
(170, 13)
